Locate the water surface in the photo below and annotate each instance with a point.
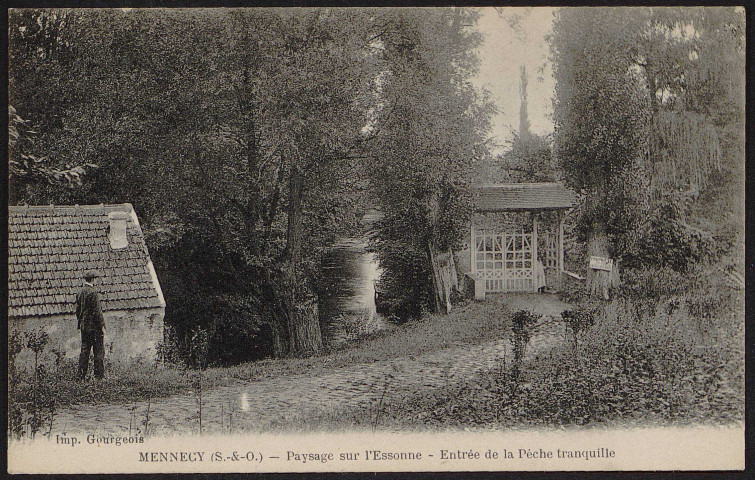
(347, 291)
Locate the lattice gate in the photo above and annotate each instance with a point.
(549, 248)
(504, 261)
(489, 260)
(518, 271)
(547, 251)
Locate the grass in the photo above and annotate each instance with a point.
(667, 349)
(468, 324)
(657, 353)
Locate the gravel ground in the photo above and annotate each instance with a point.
(254, 406)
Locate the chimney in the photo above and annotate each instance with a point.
(117, 230)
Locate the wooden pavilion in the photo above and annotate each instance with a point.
(517, 237)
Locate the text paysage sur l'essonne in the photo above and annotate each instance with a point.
(381, 455)
(326, 457)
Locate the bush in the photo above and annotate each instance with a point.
(702, 289)
(578, 321)
(522, 323)
(406, 283)
(666, 240)
(666, 358)
(653, 283)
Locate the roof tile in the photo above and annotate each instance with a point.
(522, 197)
(50, 248)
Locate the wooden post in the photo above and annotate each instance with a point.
(479, 289)
(472, 250)
(560, 248)
(503, 255)
(452, 271)
(534, 250)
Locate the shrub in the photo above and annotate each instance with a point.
(641, 360)
(522, 323)
(703, 290)
(573, 291)
(665, 239)
(577, 321)
(653, 283)
(350, 328)
(405, 286)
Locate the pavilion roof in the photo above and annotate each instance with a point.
(513, 197)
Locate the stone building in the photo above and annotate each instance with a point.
(50, 248)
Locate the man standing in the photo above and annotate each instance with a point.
(92, 326)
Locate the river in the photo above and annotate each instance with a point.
(346, 289)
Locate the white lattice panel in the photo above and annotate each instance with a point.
(551, 250)
(489, 259)
(504, 261)
(518, 265)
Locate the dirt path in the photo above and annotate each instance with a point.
(249, 406)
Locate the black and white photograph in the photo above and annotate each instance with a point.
(333, 239)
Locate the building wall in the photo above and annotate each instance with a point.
(129, 335)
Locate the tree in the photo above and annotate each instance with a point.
(529, 159)
(41, 46)
(524, 121)
(28, 172)
(624, 83)
(237, 152)
(321, 135)
(431, 124)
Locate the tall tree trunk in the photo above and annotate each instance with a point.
(293, 233)
(275, 312)
(252, 206)
(599, 281)
(444, 278)
(299, 305)
(274, 199)
(280, 346)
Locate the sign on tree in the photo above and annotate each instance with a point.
(601, 263)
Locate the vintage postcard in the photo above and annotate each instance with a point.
(376, 239)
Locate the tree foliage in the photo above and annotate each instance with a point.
(530, 158)
(243, 137)
(645, 100)
(35, 172)
(431, 124)
(204, 120)
(28, 172)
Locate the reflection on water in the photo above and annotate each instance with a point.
(244, 402)
(346, 291)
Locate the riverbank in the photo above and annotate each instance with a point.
(346, 292)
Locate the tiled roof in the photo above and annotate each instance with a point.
(510, 197)
(50, 248)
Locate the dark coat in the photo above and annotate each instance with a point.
(89, 311)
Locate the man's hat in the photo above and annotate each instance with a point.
(92, 274)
